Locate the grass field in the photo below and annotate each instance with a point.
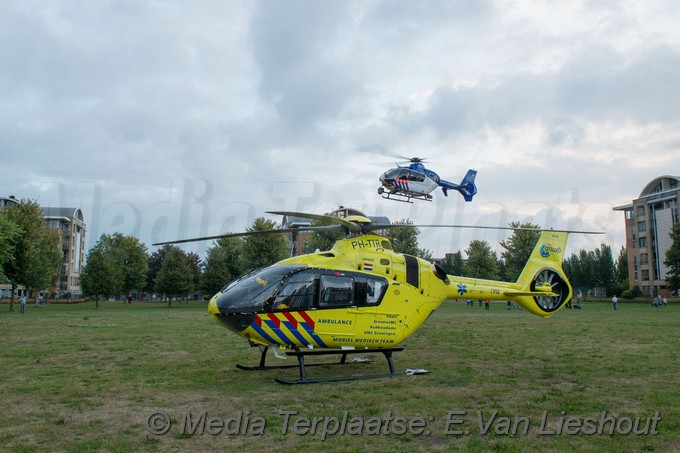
(75, 378)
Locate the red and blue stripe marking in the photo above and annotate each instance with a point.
(291, 334)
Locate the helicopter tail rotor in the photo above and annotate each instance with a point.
(467, 186)
(542, 287)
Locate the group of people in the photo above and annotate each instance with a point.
(659, 301)
(575, 302)
(22, 301)
(471, 303)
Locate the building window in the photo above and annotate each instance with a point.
(641, 211)
(642, 242)
(642, 226)
(644, 258)
(645, 274)
(629, 214)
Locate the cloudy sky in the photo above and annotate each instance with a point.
(167, 119)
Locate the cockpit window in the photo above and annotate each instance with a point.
(297, 293)
(396, 173)
(297, 287)
(336, 291)
(374, 290)
(415, 176)
(251, 292)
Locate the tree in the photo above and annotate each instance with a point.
(37, 257)
(580, 269)
(622, 266)
(222, 264)
(405, 240)
(46, 260)
(453, 263)
(482, 261)
(174, 277)
(503, 270)
(135, 262)
(129, 257)
(596, 268)
(261, 250)
(518, 248)
(9, 232)
(622, 279)
(154, 263)
(322, 240)
(605, 271)
(196, 266)
(672, 259)
(99, 277)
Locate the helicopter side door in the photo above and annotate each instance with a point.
(337, 303)
(417, 182)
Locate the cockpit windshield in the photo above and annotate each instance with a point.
(395, 173)
(252, 291)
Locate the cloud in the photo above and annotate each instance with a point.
(303, 76)
(598, 86)
(169, 119)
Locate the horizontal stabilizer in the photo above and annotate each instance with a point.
(530, 293)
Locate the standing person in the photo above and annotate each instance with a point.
(23, 303)
(486, 304)
(615, 302)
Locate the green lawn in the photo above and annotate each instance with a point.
(79, 379)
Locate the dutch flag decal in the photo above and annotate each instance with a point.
(368, 267)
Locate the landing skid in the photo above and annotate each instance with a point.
(302, 366)
(404, 198)
(262, 366)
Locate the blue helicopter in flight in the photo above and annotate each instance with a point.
(415, 182)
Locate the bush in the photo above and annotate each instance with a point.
(627, 294)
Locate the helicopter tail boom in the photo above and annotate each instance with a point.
(467, 187)
(542, 288)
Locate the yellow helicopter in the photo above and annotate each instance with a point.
(362, 296)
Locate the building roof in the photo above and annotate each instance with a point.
(5, 201)
(658, 189)
(68, 213)
(657, 185)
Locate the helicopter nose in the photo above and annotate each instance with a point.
(385, 180)
(212, 306)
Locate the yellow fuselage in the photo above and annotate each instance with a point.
(414, 289)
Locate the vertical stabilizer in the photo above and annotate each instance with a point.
(543, 287)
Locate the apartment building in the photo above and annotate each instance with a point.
(649, 220)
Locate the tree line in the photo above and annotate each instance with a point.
(120, 265)
(585, 269)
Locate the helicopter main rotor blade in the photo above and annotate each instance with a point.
(480, 227)
(373, 227)
(254, 233)
(382, 151)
